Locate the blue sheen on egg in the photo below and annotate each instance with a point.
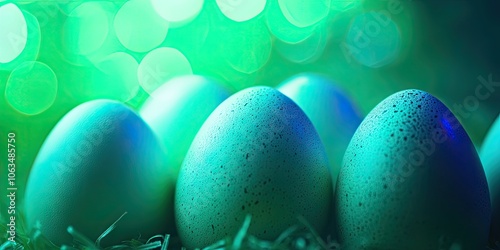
(99, 162)
(411, 179)
(333, 113)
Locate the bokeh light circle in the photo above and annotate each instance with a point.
(306, 51)
(31, 88)
(177, 12)
(241, 10)
(282, 29)
(138, 26)
(373, 40)
(13, 32)
(161, 65)
(344, 5)
(248, 49)
(304, 13)
(86, 28)
(116, 77)
(32, 47)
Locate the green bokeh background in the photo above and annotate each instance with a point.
(444, 47)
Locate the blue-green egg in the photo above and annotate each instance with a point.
(412, 179)
(256, 154)
(332, 112)
(490, 157)
(177, 109)
(99, 162)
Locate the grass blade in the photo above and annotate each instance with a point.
(81, 238)
(107, 231)
(238, 240)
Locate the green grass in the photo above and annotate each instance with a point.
(301, 236)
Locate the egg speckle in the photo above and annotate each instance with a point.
(410, 178)
(256, 154)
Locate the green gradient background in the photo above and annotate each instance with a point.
(445, 46)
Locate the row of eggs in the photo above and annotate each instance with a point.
(196, 159)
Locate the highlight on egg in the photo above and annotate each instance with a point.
(412, 179)
(490, 157)
(257, 154)
(177, 109)
(101, 162)
(333, 113)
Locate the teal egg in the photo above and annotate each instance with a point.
(177, 109)
(411, 179)
(257, 154)
(332, 112)
(100, 161)
(490, 157)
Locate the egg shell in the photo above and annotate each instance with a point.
(177, 109)
(100, 161)
(333, 114)
(256, 154)
(490, 157)
(411, 179)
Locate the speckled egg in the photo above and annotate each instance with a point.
(411, 179)
(100, 161)
(490, 156)
(177, 109)
(256, 154)
(333, 114)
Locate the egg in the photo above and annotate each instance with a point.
(333, 114)
(99, 162)
(490, 157)
(411, 179)
(256, 154)
(178, 108)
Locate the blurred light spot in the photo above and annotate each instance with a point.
(190, 38)
(31, 88)
(13, 32)
(282, 29)
(32, 47)
(108, 45)
(86, 28)
(306, 51)
(67, 6)
(344, 4)
(161, 65)
(304, 13)
(248, 49)
(177, 12)
(373, 40)
(138, 27)
(241, 10)
(116, 77)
